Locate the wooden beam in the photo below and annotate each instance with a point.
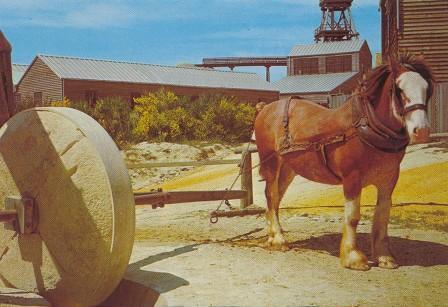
(182, 163)
(177, 197)
(246, 180)
(252, 148)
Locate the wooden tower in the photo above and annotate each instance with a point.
(337, 23)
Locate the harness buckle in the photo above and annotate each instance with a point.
(363, 121)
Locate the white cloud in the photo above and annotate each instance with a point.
(92, 13)
(100, 15)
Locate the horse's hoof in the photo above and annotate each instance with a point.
(355, 260)
(359, 266)
(280, 248)
(387, 262)
(275, 244)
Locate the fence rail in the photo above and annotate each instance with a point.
(181, 163)
(158, 199)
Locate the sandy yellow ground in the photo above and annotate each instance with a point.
(420, 199)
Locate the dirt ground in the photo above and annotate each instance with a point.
(191, 262)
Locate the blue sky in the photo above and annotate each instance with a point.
(169, 32)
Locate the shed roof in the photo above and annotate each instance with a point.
(323, 83)
(325, 48)
(18, 70)
(115, 71)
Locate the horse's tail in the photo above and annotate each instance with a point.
(258, 107)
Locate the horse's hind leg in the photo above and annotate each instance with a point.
(351, 256)
(285, 178)
(380, 242)
(276, 184)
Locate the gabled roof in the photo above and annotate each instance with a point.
(18, 70)
(115, 71)
(325, 48)
(323, 83)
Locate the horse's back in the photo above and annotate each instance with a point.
(307, 121)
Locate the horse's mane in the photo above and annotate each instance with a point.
(372, 85)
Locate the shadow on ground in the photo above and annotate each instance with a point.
(144, 288)
(162, 282)
(408, 252)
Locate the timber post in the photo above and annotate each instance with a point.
(246, 179)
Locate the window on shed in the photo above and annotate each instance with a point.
(91, 97)
(37, 98)
(342, 63)
(306, 66)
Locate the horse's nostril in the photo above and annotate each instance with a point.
(415, 131)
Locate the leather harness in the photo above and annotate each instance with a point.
(365, 125)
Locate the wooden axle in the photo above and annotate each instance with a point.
(19, 211)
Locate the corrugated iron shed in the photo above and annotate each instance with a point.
(324, 83)
(115, 71)
(326, 48)
(18, 70)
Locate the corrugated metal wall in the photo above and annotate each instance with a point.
(337, 100)
(438, 109)
(423, 29)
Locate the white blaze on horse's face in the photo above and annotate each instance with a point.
(414, 91)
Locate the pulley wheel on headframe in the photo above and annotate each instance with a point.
(84, 218)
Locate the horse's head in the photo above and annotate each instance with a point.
(413, 89)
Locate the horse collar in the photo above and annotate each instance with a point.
(372, 131)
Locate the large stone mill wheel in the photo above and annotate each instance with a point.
(80, 247)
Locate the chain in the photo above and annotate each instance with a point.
(214, 219)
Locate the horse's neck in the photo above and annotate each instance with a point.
(384, 110)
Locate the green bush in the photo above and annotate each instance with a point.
(113, 113)
(163, 116)
(228, 120)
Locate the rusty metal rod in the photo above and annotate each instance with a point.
(186, 196)
(238, 213)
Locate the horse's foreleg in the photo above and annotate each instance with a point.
(380, 243)
(351, 256)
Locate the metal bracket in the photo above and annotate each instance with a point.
(24, 219)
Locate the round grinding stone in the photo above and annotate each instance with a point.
(69, 165)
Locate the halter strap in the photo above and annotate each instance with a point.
(417, 106)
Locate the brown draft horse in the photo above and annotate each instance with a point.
(358, 144)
